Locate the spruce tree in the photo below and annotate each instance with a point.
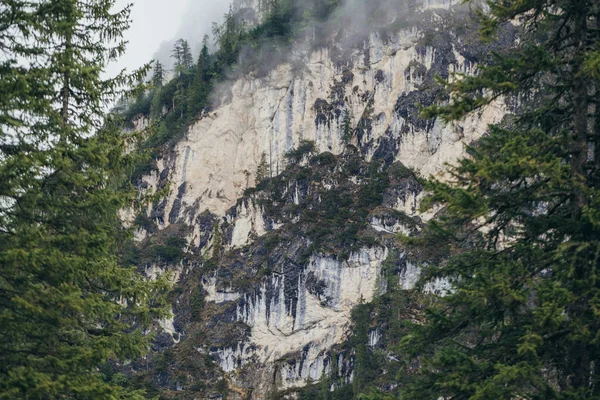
(158, 75)
(67, 306)
(201, 84)
(183, 64)
(187, 59)
(228, 36)
(518, 237)
(203, 66)
(347, 131)
(177, 54)
(182, 55)
(262, 170)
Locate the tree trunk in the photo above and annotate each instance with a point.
(579, 363)
(580, 103)
(66, 89)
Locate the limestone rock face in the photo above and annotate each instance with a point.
(316, 320)
(275, 308)
(219, 157)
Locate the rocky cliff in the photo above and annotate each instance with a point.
(274, 265)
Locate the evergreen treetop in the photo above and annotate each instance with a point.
(182, 55)
(67, 306)
(158, 75)
(519, 235)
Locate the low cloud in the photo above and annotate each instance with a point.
(196, 21)
(157, 24)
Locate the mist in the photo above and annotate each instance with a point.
(196, 22)
(157, 24)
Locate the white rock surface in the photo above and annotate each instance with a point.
(380, 226)
(410, 276)
(374, 337)
(218, 296)
(271, 115)
(217, 161)
(249, 221)
(320, 322)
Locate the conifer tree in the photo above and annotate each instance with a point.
(66, 304)
(187, 59)
(203, 66)
(262, 170)
(176, 54)
(182, 55)
(519, 235)
(158, 75)
(347, 130)
(183, 64)
(276, 19)
(228, 37)
(201, 85)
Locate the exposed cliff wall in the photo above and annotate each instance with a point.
(379, 87)
(271, 274)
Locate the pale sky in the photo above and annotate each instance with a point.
(161, 22)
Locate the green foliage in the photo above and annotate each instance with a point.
(196, 305)
(201, 86)
(305, 148)
(171, 251)
(365, 364)
(347, 131)
(217, 242)
(140, 107)
(376, 395)
(371, 194)
(398, 171)
(520, 222)
(262, 170)
(182, 55)
(229, 36)
(144, 222)
(374, 367)
(158, 75)
(173, 106)
(324, 159)
(222, 387)
(335, 220)
(67, 304)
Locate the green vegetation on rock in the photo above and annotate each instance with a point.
(519, 229)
